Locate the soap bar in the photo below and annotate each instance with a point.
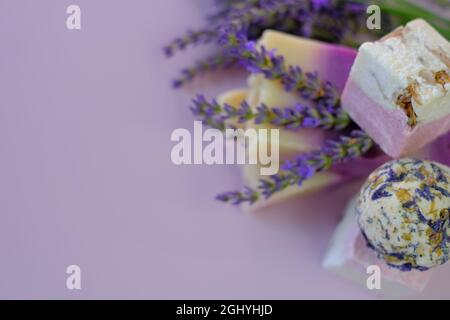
(398, 88)
(349, 257)
(291, 145)
(332, 63)
(320, 181)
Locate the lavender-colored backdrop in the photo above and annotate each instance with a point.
(86, 176)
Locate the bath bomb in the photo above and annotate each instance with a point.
(398, 88)
(404, 213)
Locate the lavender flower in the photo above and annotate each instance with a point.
(208, 111)
(252, 17)
(304, 167)
(334, 21)
(236, 25)
(237, 197)
(265, 13)
(190, 38)
(202, 66)
(241, 14)
(273, 67)
(296, 117)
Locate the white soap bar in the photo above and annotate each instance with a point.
(411, 54)
(398, 89)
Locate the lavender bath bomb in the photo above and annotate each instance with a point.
(403, 212)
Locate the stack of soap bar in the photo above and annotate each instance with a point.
(332, 63)
(291, 144)
(398, 88)
(349, 257)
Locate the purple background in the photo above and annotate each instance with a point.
(86, 176)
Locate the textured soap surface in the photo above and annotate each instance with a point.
(413, 61)
(398, 88)
(403, 211)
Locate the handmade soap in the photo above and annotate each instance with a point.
(332, 63)
(398, 88)
(318, 182)
(292, 144)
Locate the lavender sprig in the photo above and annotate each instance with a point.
(304, 167)
(191, 37)
(265, 13)
(327, 20)
(296, 117)
(202, 66)
(273, 67)
(243, 15)
(230, 8)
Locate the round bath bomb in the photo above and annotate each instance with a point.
(403, 212)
